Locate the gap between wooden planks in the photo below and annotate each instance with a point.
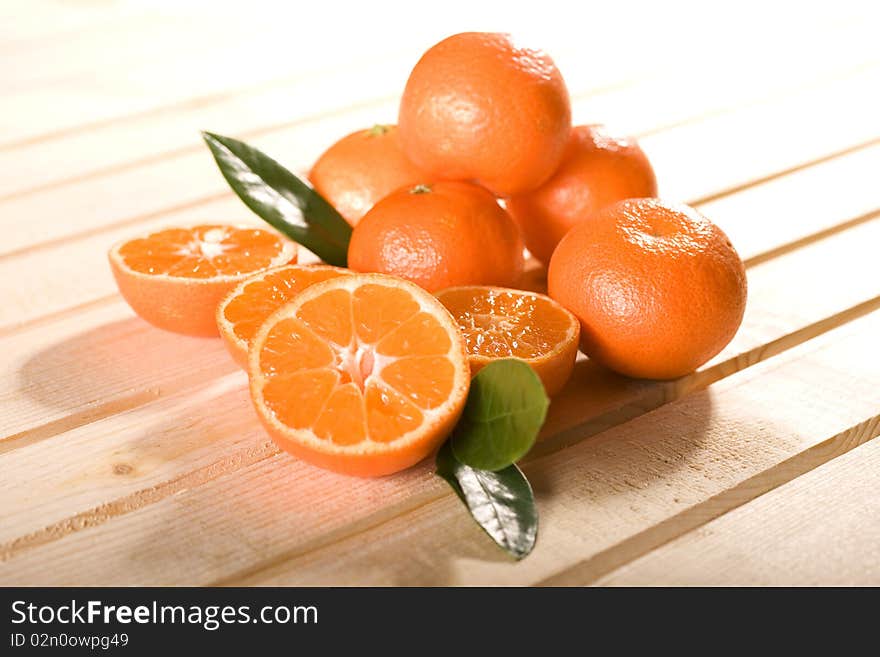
(73, 272)
(617, 496)
(139, 139)
(204, 57)
(140, 463)
(41, 381)
(845, 108)
(105, 75)
(819, 529)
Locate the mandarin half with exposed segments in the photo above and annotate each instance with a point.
(363, 167)
(174, 278)
(599, 168)
(440, 235)
(657, 287)
(501, 323)
(246, 307)
(365, 375)
(481, 106)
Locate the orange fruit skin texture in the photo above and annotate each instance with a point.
(501, 323)
(306, 365)
(598, 169)
(479, 106)
(453, 233)
(180, 293)
(246, 307)
(657, 287)
(363, 167)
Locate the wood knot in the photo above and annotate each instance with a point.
(122, 469)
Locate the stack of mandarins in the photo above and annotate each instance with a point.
(364, 370)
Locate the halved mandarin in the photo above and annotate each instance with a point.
(501, 323)
(246, 307)
(174, 278)
(364, 375)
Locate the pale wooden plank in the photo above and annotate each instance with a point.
(675, 98)
(129, 35)
(758, 221)
(847, 110)
(622, 492)
(821, 529)
(34, 23)
(713, 156)
(800, 205)
(83, 275)
(291, 521)
(92, 364)
(207, 53)
(790, 300)
(780, 210)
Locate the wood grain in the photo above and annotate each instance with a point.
(617, 495)
(93, 364)
(375, 81)
(845, 108)
(131, 456)
(593, 401)
(780, 211)
(62, 273)
(210, 53)
(821, 529)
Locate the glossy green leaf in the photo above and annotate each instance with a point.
(505, 409)
(501, 502)
(281, 199)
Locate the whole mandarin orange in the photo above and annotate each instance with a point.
(440, 235)
(361, 168)
(599, 168)
(480, 106)
(657, 287)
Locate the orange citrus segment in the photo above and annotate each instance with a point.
(291, 346)
(312, 388)
(389, 414)
(377, 310)
(362, 374)
(248, 305)
(425, 380)
(174, 278)
(345, 401)
(501, 323)
(420, 335)
(202, 251)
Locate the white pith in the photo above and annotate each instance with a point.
(353, 352)
(208, 248)
(240, 287)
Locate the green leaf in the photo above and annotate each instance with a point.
(505, 409)
(501, 502)
(281, 199)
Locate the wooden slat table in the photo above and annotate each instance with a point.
(132, 456)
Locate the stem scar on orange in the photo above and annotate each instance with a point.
(500, 323)
(364, 375)
(246, 307)
(440, 235)
(363, 167)
(174, 278)
(658, 288)
(599, 168)
(481, 106)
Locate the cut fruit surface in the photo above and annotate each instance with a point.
(174, 278)
(246, 307)
(364, 374)
(501, 323)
